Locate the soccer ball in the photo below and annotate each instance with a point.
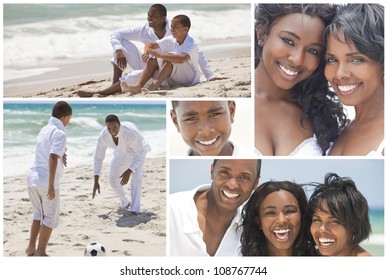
(95, 250)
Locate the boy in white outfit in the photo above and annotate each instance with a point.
(43, 178)
(130, 149)
(176, 63)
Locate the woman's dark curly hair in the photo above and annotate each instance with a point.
(344, 202)
(254, 242)
(319, 104)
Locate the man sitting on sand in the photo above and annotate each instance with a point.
(126, 52)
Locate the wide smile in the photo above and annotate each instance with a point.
(347, 90)
(207, 142)
(288, 72)
(282, 234)
(326, 242)
(230, 195)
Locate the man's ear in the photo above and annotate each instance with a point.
(174, 119)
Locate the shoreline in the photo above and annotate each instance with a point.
(84, 220)
(226, 59)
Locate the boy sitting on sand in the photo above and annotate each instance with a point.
(43, 179)
(206, 127)
(176, 64)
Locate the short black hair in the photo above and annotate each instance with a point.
(161, 8)
(61, 109)
(112, 118)
(184, 20)
(345, 203)
(259, 163)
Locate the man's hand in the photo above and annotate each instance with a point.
(125, 177)
(96, 188)
(121, 59)
(64, 160)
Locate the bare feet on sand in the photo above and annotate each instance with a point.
(82, 93)
(130, 88)
(30, 251)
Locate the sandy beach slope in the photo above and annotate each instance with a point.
(235, 69)
(83, 220)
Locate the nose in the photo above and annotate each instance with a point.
(297, 56)
(281, 218)
(233, 183)
(205, 127)
(342, 71)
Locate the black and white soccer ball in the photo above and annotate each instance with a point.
(95, 250)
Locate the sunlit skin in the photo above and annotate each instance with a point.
(331, 237)
(232, 184)
(280, 220)
(291, 53)
(205, 126)
(113, 128)
(358, 81)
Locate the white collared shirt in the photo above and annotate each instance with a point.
(185, 236)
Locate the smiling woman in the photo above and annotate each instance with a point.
(355, 69)
(295, 112)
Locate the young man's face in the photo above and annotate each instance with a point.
(113, 128)
(178, 31)
(155, 19)
(204, 125)
(233, 180)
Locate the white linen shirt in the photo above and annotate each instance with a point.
(131, 144)
(50, 140)
(185, 236)
(189, 46)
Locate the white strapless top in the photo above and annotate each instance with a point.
(308, 147)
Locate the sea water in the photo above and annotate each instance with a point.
(38, 37)
(22, 122)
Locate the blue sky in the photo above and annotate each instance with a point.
(368, 174)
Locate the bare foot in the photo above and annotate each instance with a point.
(82, 93)
(30, 251)
(130, 88)
(153, 87)
(40, 255)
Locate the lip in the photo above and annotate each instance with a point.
(325, 242)
(207, 142)
(230, 196)
(282, 234)
(288, 73)
(347, 89)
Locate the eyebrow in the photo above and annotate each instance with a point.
(347, 55)
(291, 33)
(194, 113)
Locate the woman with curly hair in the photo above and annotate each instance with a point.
(355, 69)
(338, 217)
(295, 112)
(274, 221)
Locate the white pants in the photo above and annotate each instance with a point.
(117, 167)
(132, 54)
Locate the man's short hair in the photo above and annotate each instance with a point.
(61, 109)
(259, 163)
(112, 118)
(161, 8)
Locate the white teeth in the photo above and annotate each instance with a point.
(281, 231)
(347, 88)
(326, 241)
(207, 143)
(230, 195)
(287, 71)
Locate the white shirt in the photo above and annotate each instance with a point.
(185, 236)
(131, 144)
(146, 34)
(51, 140)
(189, 46)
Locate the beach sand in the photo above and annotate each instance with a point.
(232, 63)
(83, 220)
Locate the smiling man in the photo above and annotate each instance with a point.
(129, 151)
(206, 220)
